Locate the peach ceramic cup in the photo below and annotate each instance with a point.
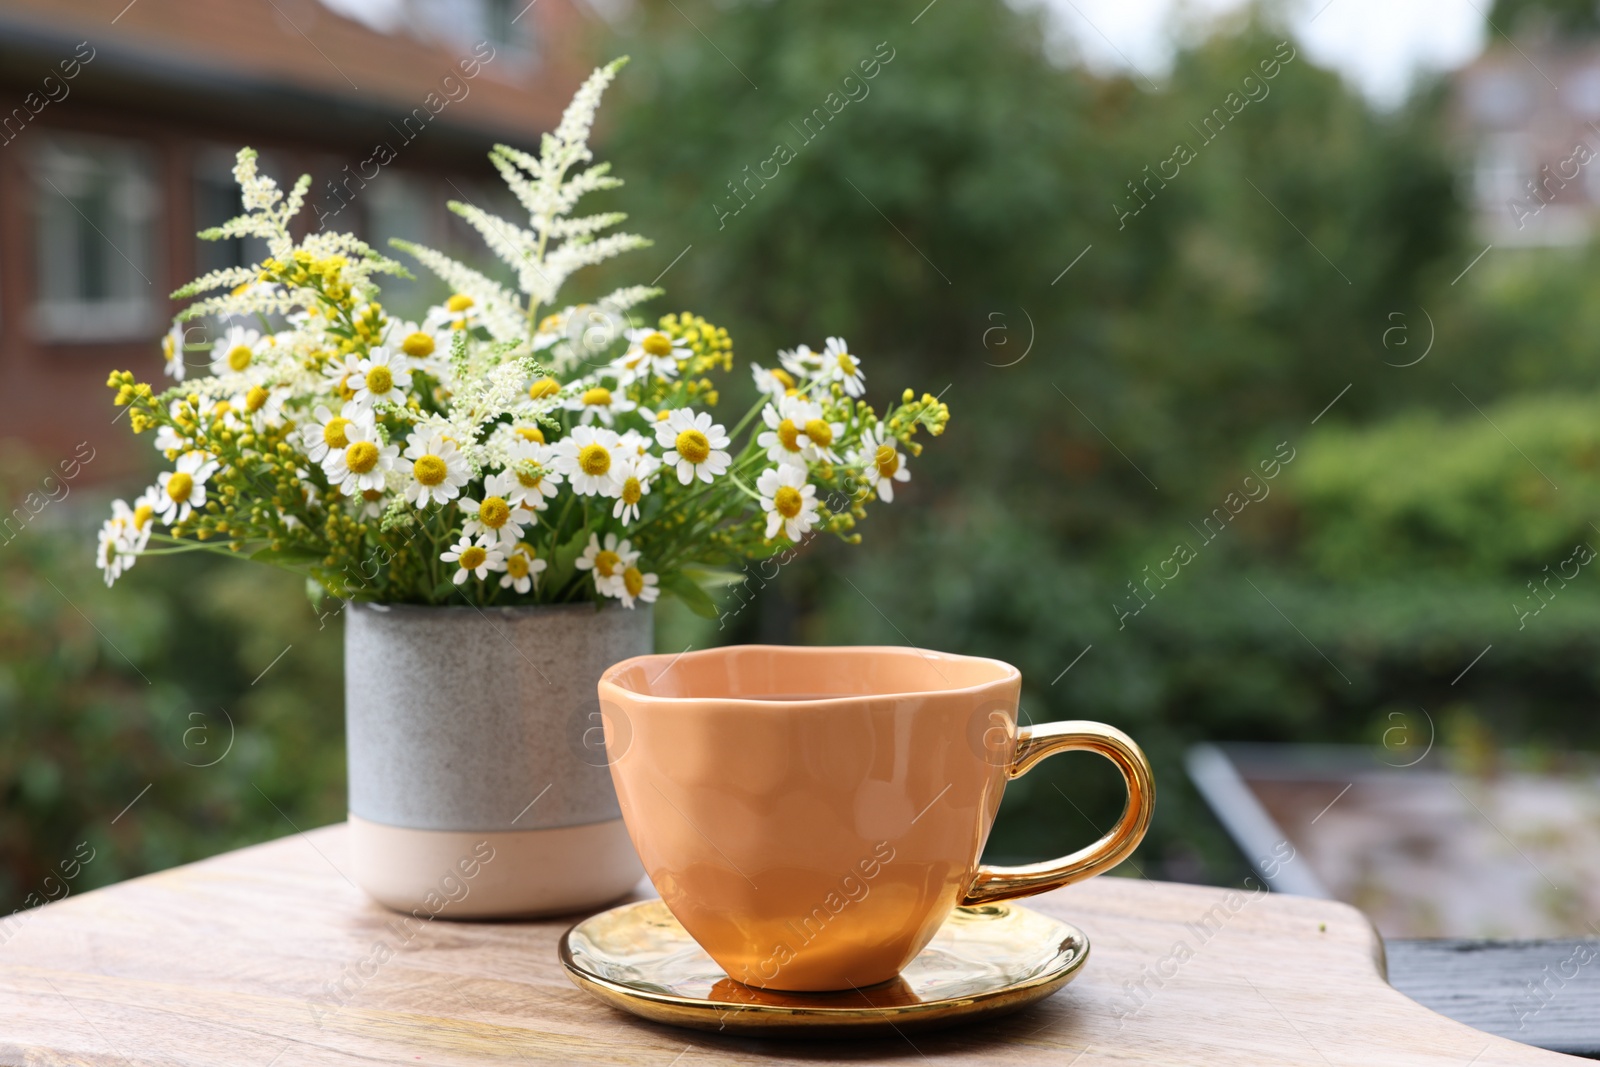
(813, 815)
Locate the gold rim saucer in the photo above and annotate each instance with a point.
(985, 960)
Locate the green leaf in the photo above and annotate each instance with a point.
(713, 579)
(287, 556)
(563, 564)
(694, 598)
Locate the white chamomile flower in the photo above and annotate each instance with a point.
(650, 352)
(607, 560)
(800, 361)
(633, 484)
(776, 382)
(637, 585)
(113, 554)
(184, 489)
(552, 328)
(587, 457)
(523, 567)
(125, 535)
(167, 438)
(172, 352)
(344, 375)
(598, 402)
(882, 461)
(363, 463)
(144, 513)
(634, 443)
(384, 375)
(235, 351)
(798, 432)
(528, 489)
(326, 430)
(262, 405)
(495, 516)
(696, 445)
(424, 349)
(438, 469)
(475, 557)
(789, 501)
(840, 366)
(454, 314)
(373, 504)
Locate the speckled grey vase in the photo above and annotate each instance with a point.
(478, 778)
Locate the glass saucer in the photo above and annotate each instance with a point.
(984, 961)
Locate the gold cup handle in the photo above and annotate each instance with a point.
(1033, 745)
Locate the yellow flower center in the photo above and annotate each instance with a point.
(529, 481)
(459, 302)
(344, 388)
(417, 345)
(239, 357)
(494, 512)
(542, 388)
(786, 501)
(693, 446)
(255, 399)
(606, 563)
(783, 376)
(379, 379)
(333, 432)
(429, 470)
(887, 460)
(473, 557)
(141, 515)
(361, 457)
(594, 460)
(179, 486)
(633, 581)
(549, 323)
(531, 433)
(372, 494)
(632, 491)
(789, 435)
(847, 363)
(599, 397)
(657, 344)
(820, 432)
(517, 565)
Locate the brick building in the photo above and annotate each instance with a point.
(1528, 117)
(118, 126)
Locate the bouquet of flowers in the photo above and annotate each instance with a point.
(504, 449)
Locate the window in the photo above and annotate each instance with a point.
(216, 200)
(508, 25)
(95, 222)
(404, 206)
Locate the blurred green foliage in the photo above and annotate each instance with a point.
(147, 695)
(1101, 414)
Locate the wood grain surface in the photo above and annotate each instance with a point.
(270, 957)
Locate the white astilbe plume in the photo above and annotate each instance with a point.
(479, 402)
(498, 308)
(267, 215)
(546, 251)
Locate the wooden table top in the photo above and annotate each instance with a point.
(270, 957)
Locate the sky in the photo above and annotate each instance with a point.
(1378, 45)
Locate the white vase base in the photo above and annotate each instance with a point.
(493, 874)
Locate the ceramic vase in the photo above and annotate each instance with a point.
(479, 786)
